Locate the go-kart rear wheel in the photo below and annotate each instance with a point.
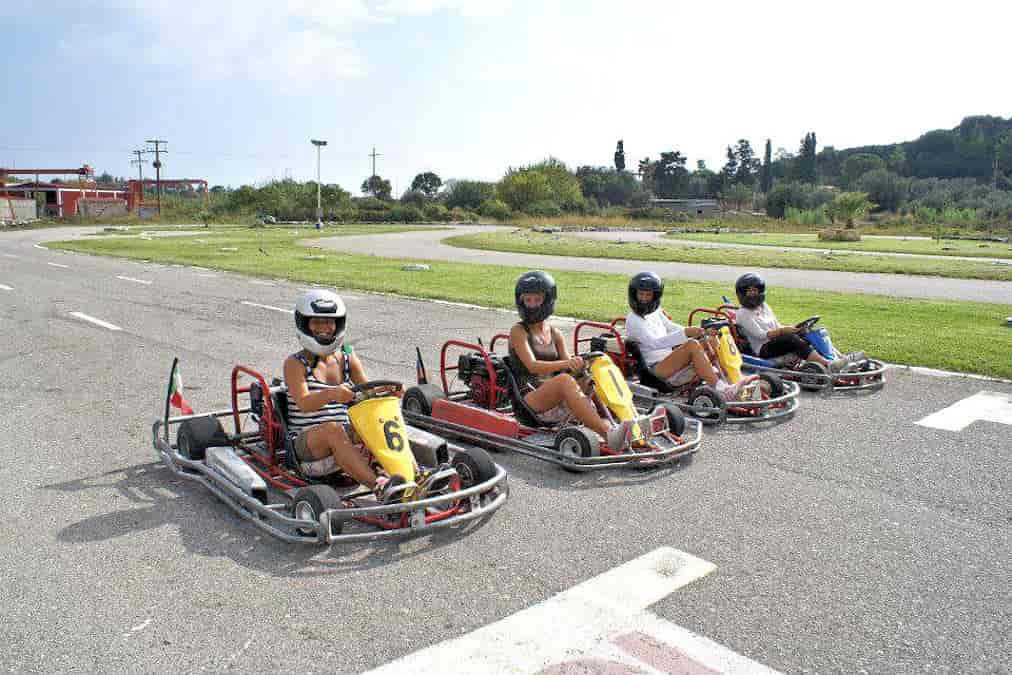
(419, 399)
(813, 377)
(474, 466)
(312, 500)
(771, 385)
(198, 434)
(707, 404)
(676, 419)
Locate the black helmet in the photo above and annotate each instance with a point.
(745, 282)
(535, 282)
(645, 281)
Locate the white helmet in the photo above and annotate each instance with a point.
(323, 304)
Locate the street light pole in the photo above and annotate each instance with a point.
(319, 208)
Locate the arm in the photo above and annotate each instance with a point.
(636, 329)
(295, 380)
(518, 341)
(355, 371)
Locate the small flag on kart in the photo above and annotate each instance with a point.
(420, 368)
(176, 399)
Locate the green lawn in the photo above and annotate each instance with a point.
(956, 247)
(526, 241)
(968, 337)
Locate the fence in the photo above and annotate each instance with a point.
(18, 210)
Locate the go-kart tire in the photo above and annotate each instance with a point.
(198, 434)
(706, 397)
(419, 399)
(474, 466)
(771, 385)
(577, 442)
(310, 501)
(676, 419)
(813, 384)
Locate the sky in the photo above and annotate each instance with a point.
(468, 88)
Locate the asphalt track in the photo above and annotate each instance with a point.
(427, 245)
(847, 540)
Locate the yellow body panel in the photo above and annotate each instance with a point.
(378, 422)
(728, 355)
(614, 392)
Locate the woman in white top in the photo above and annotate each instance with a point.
(766, 336)
(666, 347)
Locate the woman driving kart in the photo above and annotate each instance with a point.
(667, 348)
(767, 337)
(541, 351)
(318, 379)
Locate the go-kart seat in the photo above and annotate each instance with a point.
(645, 374)
(524, 413)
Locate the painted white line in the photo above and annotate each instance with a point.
(5, 287)
(934, 372)
(136, 281)
(11, 255)
(39, 247)
(52, 264)
(209, 275)
(276, 309)
(601, 621)
(257, 282)
(990, 406)
(97, 322)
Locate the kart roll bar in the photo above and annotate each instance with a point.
(271, 428)
(496, 338)
(624, 361)
(494, 388)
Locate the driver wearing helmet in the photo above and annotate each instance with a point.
(318, 379)
(668, 350)
(766, 336)
(541, 350)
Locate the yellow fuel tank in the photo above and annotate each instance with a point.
(728, 355)
(614, 392)
(378, 422)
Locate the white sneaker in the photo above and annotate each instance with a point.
(619, 437)
(855, 357)
(839, 364)
(731, 392)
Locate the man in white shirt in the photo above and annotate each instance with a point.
(766, 336)
(667, 348)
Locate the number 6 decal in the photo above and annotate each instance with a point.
(390, 431)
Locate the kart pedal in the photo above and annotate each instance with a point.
(394, 490)
(437, 479)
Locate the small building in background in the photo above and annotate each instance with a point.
(63, 200)
(694, 208)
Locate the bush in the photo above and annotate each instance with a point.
(806, 217)
(463, 216)
(493, 208)
(436, 212)
(468, 194)
(405, 213)
(544, 208)
(647, 213)
(799, 195)
(885, 188)
(415, 198)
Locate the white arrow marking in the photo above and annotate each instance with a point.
(136, 281)
(990, 406)
(5, 287)
(11, 255)
(97, 322)
(58, 265)
(276, 309)
(40, 247)
(602, 620)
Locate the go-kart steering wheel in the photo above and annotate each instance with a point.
(376, 389)
(807, 325)
(587, 358)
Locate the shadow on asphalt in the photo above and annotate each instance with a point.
(209, 528)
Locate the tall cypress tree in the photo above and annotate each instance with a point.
(620, 157)
(766, 173)
(806, 159)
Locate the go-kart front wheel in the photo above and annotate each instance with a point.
(813, 377)
(707, 404)
(771, 385)
(312, 500)
(676, 420)
(474, 466)
(577, 442)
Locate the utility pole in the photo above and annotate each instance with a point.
(374, 155)
(319, 208)
(158, 170)
(140, 167)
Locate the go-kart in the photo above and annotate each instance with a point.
(864, 374)
(480, 402)
(768, 399)
(257, 473)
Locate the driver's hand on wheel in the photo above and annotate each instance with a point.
(342, 393)
(789, 330)
(575, 364)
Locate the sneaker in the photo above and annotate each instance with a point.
(855, 357)
(731, 392)
(838, 364)
(390, 489)
(619, 437)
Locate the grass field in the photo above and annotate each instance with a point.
(947, 247)
(526, 241)
(968, 337)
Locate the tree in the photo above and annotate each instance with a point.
(747, 163)
(671, 178)
(857, 165)
(884, 188)
(606, 186)
(807, 159)
(646, 171)
(620, 157)
(521, 190)
(730, 168)
(379, 188)
(849, 206)
(105, 178)
(897, 160)
(427, 183)
(735, 197)
(766, 173)
(543, 184)
(415, 198)
(468, 194)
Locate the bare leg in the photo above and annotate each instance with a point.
(681, 356)
(564, 389)
(818, 358)
(330, 438)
